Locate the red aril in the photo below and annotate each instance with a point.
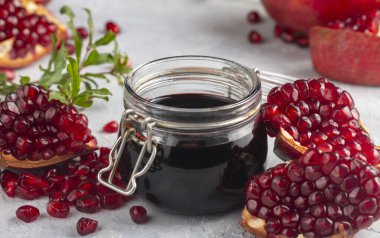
(86, 226)
(27, 213)
(253, 17)
(255, 37)
(111, 200)
(88, 204)
(111, 127)
(58, 209)
(138, 214)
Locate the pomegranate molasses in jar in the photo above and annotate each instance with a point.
(190, 134)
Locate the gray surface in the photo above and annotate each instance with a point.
(153, 29)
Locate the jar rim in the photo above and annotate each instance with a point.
(255, 89)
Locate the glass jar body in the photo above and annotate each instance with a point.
(205, 153)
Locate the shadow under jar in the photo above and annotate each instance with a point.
(204, 117)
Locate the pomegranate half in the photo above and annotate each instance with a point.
(348, 50)
(25, 32)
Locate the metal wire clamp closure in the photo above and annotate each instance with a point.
(149, 145)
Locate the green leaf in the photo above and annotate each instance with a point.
(83, 100)
(72, 69)
(78, 42)
(106, 39)
(101, 92)
(3, 78)
(54, 76)
(97, 75)
(92, 58)
(90, 24)
(24, 80)
(54, 95)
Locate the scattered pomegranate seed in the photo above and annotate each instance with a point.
(113, 27)
(138, 214)
(86, 226)
(27, 213)
(278, 30)
(9, 74)
(111, 200)
(111, 127)
(316, 196)
(255, 37)
(253, 17)
(58, 209)
(82, 32)
(70, 48)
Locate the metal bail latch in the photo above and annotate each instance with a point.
(129, 135)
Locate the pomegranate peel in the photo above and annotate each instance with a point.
(9, 161)
(346, 55)
(6, 61)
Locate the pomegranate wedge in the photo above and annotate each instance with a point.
(36, 132)
(319, 195)
(26, 30)
(315, 113)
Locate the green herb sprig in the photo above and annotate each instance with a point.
(69, 77)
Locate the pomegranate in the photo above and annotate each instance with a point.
(320, 195)
(300, 15)
(58, 209)
(41, 131)
(346, 50)
(315, 113)
(86, 226)
(113, 27)
(138, 214)
(27, 213)
(111, 127)
(25, 32)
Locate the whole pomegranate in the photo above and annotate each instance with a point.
(301, 15)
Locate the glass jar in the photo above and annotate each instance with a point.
(190, 136)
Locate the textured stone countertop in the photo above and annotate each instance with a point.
(155, 29)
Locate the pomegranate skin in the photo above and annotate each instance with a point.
(301, 15)
(345, 55)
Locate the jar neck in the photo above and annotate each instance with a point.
(194, 75)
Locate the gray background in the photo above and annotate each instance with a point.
(154, 29)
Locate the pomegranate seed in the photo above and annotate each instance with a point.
(87, 204)
(111, 200)
(111, 127)
(253, 17)
(70, 48)
(58, 209)
(278, 31)
(28, 193)
(138, 214)
(113, 27)
(9, 74)
(255, 37)
(27, 213)
(82, 32)
(86, 226)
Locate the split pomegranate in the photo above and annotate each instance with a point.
(315, 113)
(27, 213)
(111, 127)
(86, 226)
(34, 128)
(25, 32)
(347, 50)
(113, 27)
(320, 195)
(138, 214)
(300, 15)
(58, 209)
